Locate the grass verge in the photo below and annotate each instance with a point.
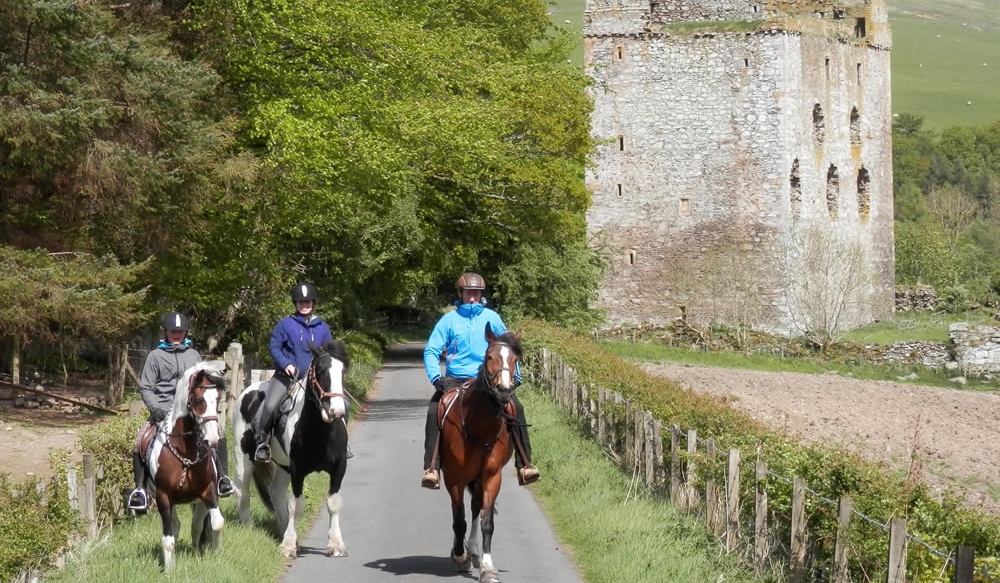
(615, 533)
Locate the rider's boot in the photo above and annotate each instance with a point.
(526, 472)
(225, 485)
(137, 499)
(432, 477)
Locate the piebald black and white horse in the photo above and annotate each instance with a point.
(312, 439)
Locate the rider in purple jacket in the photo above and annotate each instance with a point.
(289, 349)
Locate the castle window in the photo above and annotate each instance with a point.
(621, 143)
(827, 64)
(859, 73)
(631, 256)
(795, 188)
(684, 207)
(832, 191)
(619, 187)
(746, 62)
(838, 13)
(859, 27)
(864, 197)
(855, 127)
(819, 127)
(620, 52)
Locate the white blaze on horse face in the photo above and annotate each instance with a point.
(337, 406)
(212, 429)
(506, 375)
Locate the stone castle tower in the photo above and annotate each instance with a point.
(744, 174)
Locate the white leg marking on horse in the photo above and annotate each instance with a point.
(289, 544)
(335, 543)
(217, 520)
(167, 546)
(472, 545)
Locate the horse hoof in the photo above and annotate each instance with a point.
(461, 560)
(489, 577)
(289, 552)
(336, 551)
(477, 561)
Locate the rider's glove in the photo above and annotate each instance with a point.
(439, 384)
(157, 415)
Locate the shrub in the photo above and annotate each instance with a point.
(35, 523)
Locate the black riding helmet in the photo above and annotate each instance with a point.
(304, 291)
(174, 321)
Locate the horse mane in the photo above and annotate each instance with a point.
(338, 350)
(179, 408)
(511, 340)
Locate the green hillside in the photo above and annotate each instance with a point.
(938, 56)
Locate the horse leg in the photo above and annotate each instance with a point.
(458, 524)
(244, 475)
(335, 546)
(488, 573)
(168, 538)
(289, 542)
(472, 543)
(278, 490)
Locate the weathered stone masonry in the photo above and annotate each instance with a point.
(732, 120)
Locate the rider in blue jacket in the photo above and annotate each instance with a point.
(289, 348)
(461, 335)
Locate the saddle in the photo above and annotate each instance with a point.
(449, 397)
(144, 442)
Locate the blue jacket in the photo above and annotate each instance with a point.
(290, 342)
(462, 333)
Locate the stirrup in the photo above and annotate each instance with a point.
(137, 500)
(225, 487)
(262, 453)
(527, 475)
(431, 480)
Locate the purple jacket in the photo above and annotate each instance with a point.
(290, 342)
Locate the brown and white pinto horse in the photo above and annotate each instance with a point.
(181, 464)
(475, 446)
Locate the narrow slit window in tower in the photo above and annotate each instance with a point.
(827, 64)
(855, 127)
(859, 27)
(621, 143)
(859, 73)
(819, 126)
(620, 52)
(746, 62)
(631, 256)
(619, 187)
(832, 191)
(864, 197)
(795, 190)
(684, 207)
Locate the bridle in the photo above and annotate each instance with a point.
(312, 380)
(200, 421)
(489, 380)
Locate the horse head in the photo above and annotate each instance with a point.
(325, 379)
(497, 373)
(199, 392)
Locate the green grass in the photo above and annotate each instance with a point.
(613, 534)
(914, 326)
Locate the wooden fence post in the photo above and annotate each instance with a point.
(88, 495)
(602, 423)
(844, 511)
(675, 465)
(964, 564)
(897, 551)
(761, 546)
(711, 493)
(733, 500)
(690, 491)
(798, 542)
(234, 362)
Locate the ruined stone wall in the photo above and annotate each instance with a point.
(711, 137)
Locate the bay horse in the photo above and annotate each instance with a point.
(476, 445)
(313, 439)
(181, 465)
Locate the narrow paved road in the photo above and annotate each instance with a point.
(397, 531)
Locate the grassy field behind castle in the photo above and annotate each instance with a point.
(938, 55)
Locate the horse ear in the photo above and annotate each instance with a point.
(517, 337)
(490, 336)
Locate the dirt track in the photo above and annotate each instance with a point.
(955, 433)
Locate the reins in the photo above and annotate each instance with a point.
(203, 452)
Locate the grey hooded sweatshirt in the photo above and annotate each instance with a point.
(161, 371)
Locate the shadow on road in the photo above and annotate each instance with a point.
(421, 565)
(395, 409)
